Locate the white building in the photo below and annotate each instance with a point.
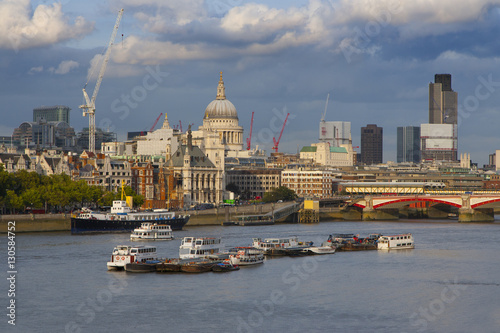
(336, 133)
(324, 154)
(163, 141)
(439, 142)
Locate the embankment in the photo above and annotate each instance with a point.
(36, 222)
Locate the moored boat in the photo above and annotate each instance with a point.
(152, 231)
(121, 218)
(351, 242)
(200, 247)
(126, 254)
(396, 242)
(224, 266)
(141, 267)
(289, 246)
(169, 265)
(246, 256)
(323, 249)
(197, 266)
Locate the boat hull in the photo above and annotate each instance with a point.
(356, 247)
(196, 267)
(168, 267)
(140, 267)
(224, 268)
(82, 226)
(321, 250)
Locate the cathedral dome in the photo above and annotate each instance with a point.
(220, 108)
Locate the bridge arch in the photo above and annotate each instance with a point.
(401, 202)
(486, 204)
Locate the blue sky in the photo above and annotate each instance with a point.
(375, 58)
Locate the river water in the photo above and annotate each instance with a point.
(449, 283)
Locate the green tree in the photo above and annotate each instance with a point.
(280, 193)
(13, 201)
(32, 197)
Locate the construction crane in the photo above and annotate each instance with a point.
(323, 125)
(276, 143)
(156, 122)
(326, 106)
(249, 139)
(89, 107)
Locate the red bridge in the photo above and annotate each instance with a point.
(471, 208)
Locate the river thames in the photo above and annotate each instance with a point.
(450, 282)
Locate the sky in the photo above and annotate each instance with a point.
(375, 58)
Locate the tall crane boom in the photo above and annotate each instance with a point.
(276, 143)
(326, 106)
(89, 107)
(156, 122)
(249, 139)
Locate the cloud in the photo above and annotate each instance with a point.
(34, 70)
(159, 15)
(46, 25)
(66, 66)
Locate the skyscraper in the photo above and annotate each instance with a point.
(52, 113)
(408, 144)
(439, 138)
(443, 105)
(371, 144)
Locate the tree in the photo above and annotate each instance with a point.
(280, 193)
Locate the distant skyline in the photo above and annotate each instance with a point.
(375, 59)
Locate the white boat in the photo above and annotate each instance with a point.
(324, 249)
(152, 231)
(199, 247)
(393, 242)
(246, 256)
(125, 254)
(275, 243)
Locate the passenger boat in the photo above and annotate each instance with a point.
(396, 242)
(126, 254)
(121, 218)
(281, 246)
(152, 231)
(246, 256)
(200, 247)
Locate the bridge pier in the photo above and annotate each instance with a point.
(434, 212)
(380, 214)
(468, 214)
(476, 215)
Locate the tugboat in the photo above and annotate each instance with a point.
(121, 218)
